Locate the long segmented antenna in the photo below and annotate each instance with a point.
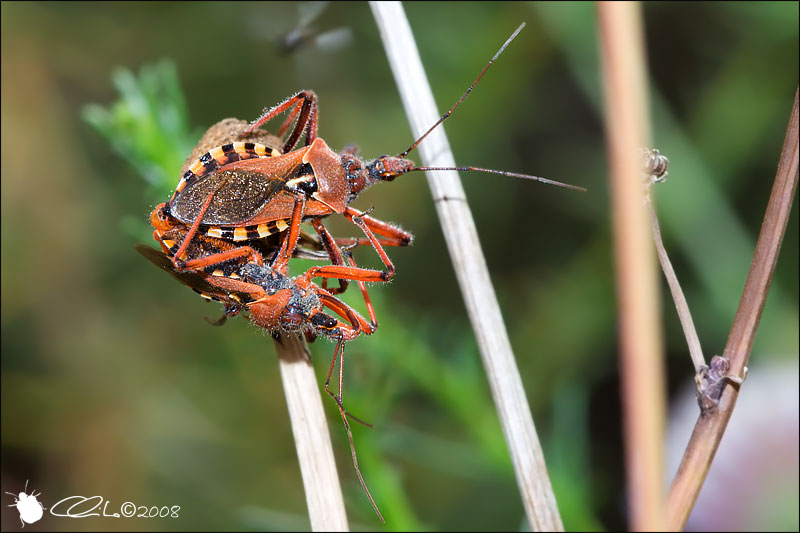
(469, 90)
(505, 173)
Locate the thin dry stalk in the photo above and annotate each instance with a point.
(711, 424)
(641, 359)
(312, 440)
(681, 305)
(471, 271)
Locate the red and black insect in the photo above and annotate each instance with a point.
(253, 278)
(246, 191)
(223, 257)
(276, 302)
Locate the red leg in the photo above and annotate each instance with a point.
(192, 231)
(329, 243)
(357, 323)
(354, 273)
(306, 102)
(367, 301)
(337, 272)
(290, 238)
(289, 118)
(358, 218)
(342, 411)
(339, 354)
(213, 259)
(343, 332)
(394, 236)
(337, 397)
(311, 133)
(305, 120)
(391, 235)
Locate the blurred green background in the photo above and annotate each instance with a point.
(114, 385)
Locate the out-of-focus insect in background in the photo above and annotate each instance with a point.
(114, 385)
(304, 35)
(309, 36)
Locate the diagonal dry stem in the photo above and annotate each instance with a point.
(711, 424)
(471, 271)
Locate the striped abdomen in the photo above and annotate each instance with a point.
(245, 233)
(219, 156)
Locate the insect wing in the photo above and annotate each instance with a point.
(241, 190)
(199, 281)
(334, 39)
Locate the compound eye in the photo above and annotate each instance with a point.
(324, 321)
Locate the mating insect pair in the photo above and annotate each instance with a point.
(236, 198)
(245, 191)
(253, 276)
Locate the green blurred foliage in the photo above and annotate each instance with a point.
(113, 384)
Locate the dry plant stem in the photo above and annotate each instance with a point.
(689, 331)
(312, 440)
(470, 266)
(641, 361)
(711, 425)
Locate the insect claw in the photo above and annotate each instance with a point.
(361, 215)
(347, 248)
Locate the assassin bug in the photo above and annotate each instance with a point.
(243, 191)
(277, 303)
(211, 252)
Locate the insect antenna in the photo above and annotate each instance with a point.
(477, 169)
(506, 173)
(469, 90)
